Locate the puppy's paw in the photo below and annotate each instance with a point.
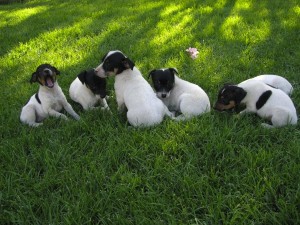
(64, 117)
(172, 115)
(268, 126)
(36, 124)
(107, 109)
(77, 117)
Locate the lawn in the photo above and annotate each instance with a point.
(214, 169)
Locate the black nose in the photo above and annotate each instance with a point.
(163, 95)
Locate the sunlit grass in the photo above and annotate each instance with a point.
(290, 21)
(17, 16)
(243, 5)
(233, 26)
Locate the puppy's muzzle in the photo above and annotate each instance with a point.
(163, 94)
(47, 78)
(224, 107)
(100, 71)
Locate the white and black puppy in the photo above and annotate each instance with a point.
(49, 99)
(267, 102)
(88, 89)
(132, 90)
(275, 81)
(179, 95)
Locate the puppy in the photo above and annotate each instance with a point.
(276, 82)
(88, 89)
(267, 102)
(132, 91)
(179, 95)
(49, 99)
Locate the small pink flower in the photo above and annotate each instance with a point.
(193, 52)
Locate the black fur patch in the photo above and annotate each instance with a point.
(263, 99)
(37, 98)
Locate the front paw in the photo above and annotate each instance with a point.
(106, 108)
(77, 117)
(267, 126)
(64, 117)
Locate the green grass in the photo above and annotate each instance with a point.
(214, 169)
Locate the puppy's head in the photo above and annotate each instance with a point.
(96, 84)
(163, 81)
(45, 74)
(229, 97)
(113, 63)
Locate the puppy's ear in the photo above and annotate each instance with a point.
(81, 76)
(127, 63)
(33, 78)
(56, 70)
(151, 73)
(240, 94)
(173, 70)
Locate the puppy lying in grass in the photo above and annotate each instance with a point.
(88, 89)
(48, 101)
(267, 102)
(132, 91)
(179, 95)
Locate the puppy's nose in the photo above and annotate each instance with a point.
(163, 95)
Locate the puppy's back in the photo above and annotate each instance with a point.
(276, 82)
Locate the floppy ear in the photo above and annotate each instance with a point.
(127, 63)
(81, 76)
(33, 78)
(240, 93)
(173, 70)
(102, 88)
(56, 70)
(151, 73)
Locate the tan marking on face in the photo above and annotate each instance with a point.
(112, 73)
(42, 80)
(221, 107)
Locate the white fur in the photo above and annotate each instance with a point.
(135, 93)
(187, 98)
(85, 97)
(279, 108)
(276, 82)
(52, 100)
